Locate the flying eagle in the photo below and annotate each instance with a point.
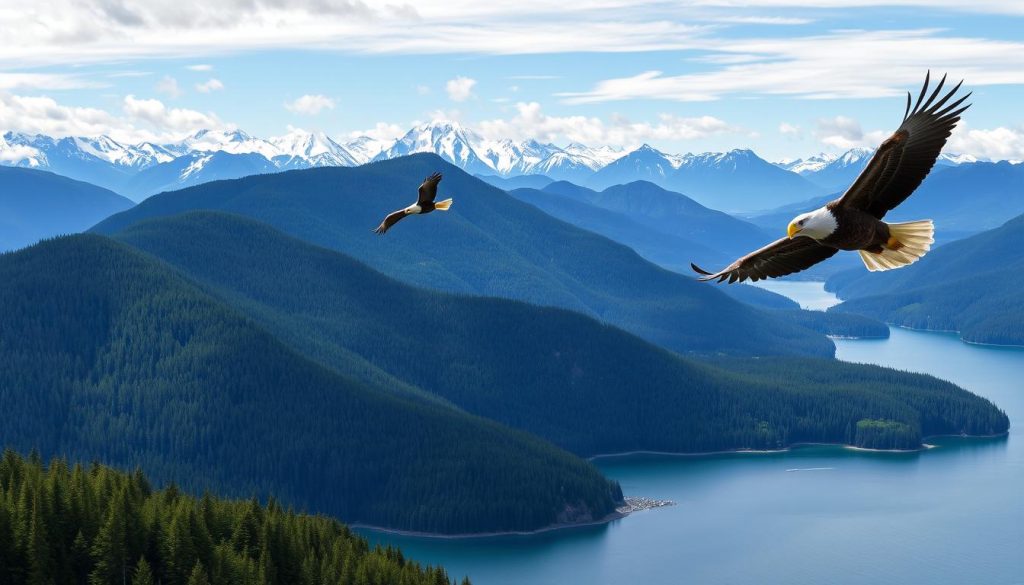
(854, 221)
(424, 204)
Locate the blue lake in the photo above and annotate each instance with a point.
(816, 515)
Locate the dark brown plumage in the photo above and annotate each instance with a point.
(897, 168)
(424, 204)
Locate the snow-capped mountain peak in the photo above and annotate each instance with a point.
(364, 148)
(311, 149)
(231, 141)
(810, 164)
(855, 155)
(953, 159)
(450, 140)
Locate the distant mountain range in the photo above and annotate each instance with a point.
(38, 204)
(962, 199)
(140, 170)
(837, 171)
(737, 180)
(667, 228)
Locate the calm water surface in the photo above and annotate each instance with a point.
(817, 515)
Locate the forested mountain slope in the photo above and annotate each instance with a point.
(588, 387)
(110, 354)
(491, 244)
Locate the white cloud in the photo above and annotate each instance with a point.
(140, 119)
(209, 85)
(57, 31)
(531, 122)
(460, 88)
(790, 130)
(382, 132)
(840, 64)
(200, 67)
(43, 81)
(43, 115)
(310, 105)
(169, 85)
(117, 74)
(155, 113)
(16, 152)
(844, 133)
(1000, 143)
(770, 20)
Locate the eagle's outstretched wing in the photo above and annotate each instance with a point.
(428, 190)
(389, 221)
(905, 158)
(781, 257)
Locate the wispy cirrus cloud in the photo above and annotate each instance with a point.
(842, 64)
(44, 81)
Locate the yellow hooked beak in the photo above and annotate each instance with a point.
(793, 230)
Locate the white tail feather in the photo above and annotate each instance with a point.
(915, 239)
(443, 205)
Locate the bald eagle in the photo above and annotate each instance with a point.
(854, 221)
(424, 204)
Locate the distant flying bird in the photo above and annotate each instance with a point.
(424, 204)
(853, 222)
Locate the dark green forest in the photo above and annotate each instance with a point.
(972, 286)
(838, 324)
(107, 353)
(885, 434)
(94, 525)
(493, 245)
(586, 386)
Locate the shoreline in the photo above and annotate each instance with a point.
(616, 515)
(924, 447)
(926, 330)
(958, 334)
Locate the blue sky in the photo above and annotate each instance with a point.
(783, 77)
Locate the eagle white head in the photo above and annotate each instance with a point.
(818, 224)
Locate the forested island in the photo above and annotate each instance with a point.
(833, 324)
(65, 523)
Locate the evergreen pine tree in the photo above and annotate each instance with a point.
(143, 574)
(41, 566)
(198, 575)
